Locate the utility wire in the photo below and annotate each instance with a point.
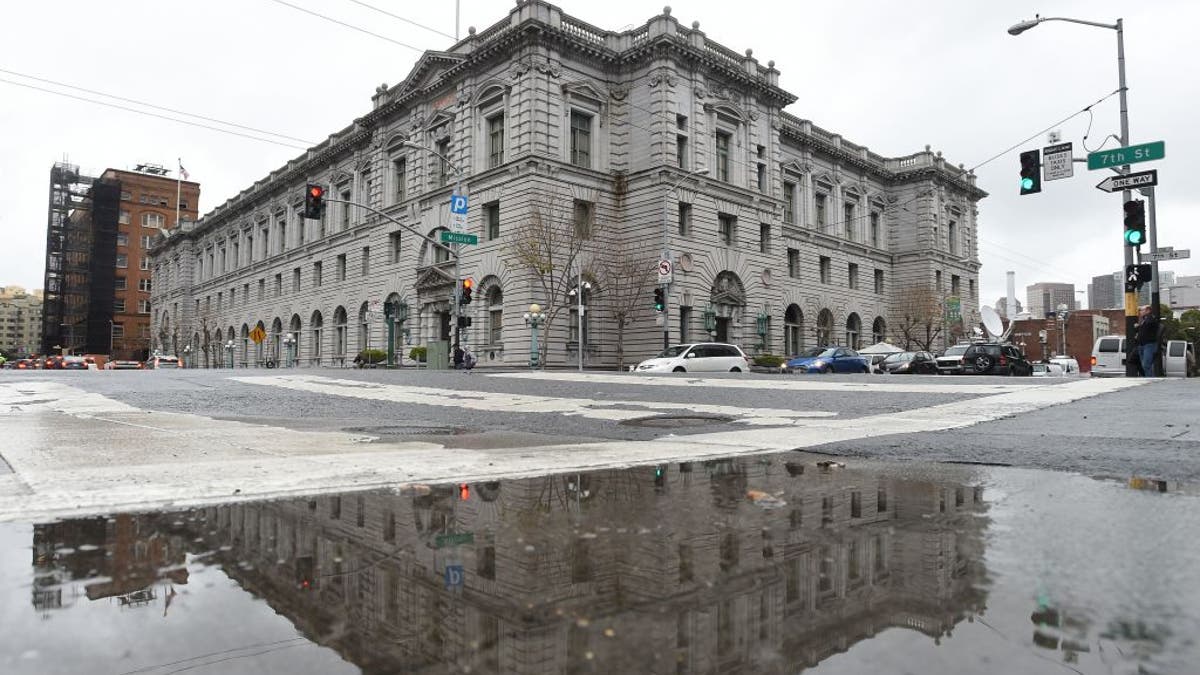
(347, 25)
(400, 18)
(1085, 109)
(151, 105)
(150, 114)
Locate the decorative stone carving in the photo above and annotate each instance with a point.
(518, 69)
(547, 68)
(619, 92)
(701, 92)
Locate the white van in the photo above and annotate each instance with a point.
(1108, 356)
(1179, 355)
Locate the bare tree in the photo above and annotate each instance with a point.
(625, 282)
(920, 318)
(555, 244)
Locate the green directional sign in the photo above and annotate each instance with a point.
(1146, 152)
(455, 539)
(449, 237)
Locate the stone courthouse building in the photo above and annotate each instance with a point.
(583, 152)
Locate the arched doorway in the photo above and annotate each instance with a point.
(878, 330)
(339, 333)
(793, 330)
(317, 326)
(276, 339)
(853, 331)
(294, 334)
(824, 328)
(728, 298)
(245, 345)
(259, 346)
(364, 327)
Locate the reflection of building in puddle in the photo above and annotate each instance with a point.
(120, 557)
(655, 569)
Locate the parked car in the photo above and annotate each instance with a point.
(910, 363)
(157, 362)
(24, 364)
(705, 357)
(1050, 369)
(832, 360)
(73, 363)
(1069, 365)
(124, 365)
(951, 361)
(1108, 356)
(52, 363)
(989, 358)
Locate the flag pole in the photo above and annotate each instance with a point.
(178, 188)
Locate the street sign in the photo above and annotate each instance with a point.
(458, 214)
(454, 577)
(1146, 152)
(455, 539)
(1129, 181)
(458, 238)
(665, 271)
(258, 335)
(1181, 254)
(1057, 162)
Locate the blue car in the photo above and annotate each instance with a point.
(832, 360)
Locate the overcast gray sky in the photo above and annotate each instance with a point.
(893, 76)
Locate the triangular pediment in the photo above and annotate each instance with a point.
(433, 278)
(430, 68)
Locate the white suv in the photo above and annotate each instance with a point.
(705, 357)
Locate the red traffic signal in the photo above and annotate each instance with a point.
(314, 201)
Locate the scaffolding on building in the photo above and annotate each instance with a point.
(81, 243)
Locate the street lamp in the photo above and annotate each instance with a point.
(578, 295)
(289, 342)
(229, 351)
(534, 318)
(1119, 26)
(666, 251)
(187, 351)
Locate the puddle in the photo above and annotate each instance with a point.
(780, 564)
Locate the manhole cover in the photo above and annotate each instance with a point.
(676, 421)
(407, 430)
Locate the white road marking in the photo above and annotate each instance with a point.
(66, 462)
(887, 384)
(525, 403)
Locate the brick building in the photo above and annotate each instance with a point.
(1042, 338)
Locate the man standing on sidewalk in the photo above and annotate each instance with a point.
(1147, 339)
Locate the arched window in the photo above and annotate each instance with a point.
(824, 328)
(339, 332)
(245, 345)
(316, 324)
(853, 331)
(793, 330)
(495, 310)
(879, 330)
(276, 338)
(294, 332)
(364, 326)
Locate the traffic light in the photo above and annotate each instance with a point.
(660, 475)
(464, 322)
(468, 285)
(1031, 172)
(660, 299)
(464, 492)
(314, 201)
(1135, 222)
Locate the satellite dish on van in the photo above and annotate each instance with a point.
(991, 322)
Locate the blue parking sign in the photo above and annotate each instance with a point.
(454, 577)
(458, 204)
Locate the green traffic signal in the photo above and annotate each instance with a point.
(1134, 237)
(1026, 183)
(1135, 222)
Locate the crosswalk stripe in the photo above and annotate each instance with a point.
(883, 384)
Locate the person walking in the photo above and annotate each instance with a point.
(1147, 340)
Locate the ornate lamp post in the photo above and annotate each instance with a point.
(229, 351)
(396, 314)
(760, 323)
(289, 343)
(577, 293)
(187, 352)
(534, 318)
(710, 320)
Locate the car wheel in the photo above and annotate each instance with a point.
(1012, 372)
(983, 363)
(866, 370)
(679, 369)
(735, 370)
(826, 370)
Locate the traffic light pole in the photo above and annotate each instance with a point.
(1130, 296)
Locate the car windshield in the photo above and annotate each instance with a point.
(672, 352)
(828, 353)
(956, 350)
(902, 356)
